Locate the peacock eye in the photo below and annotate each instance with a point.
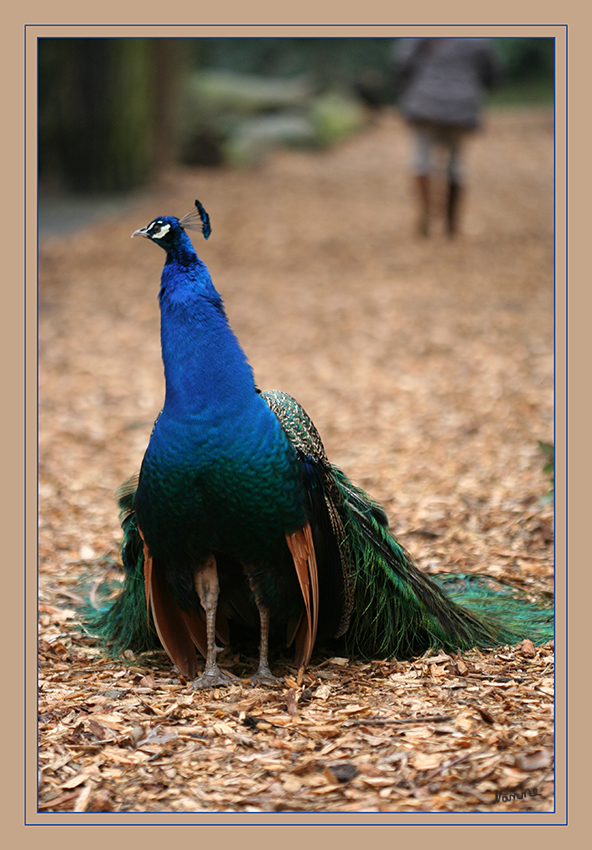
(159, 230)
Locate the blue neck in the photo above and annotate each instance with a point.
(205, 368)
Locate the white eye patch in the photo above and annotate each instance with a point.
(160, 230)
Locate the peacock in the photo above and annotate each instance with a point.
(238, 524)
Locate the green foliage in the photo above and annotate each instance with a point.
(548, 449)
(534, 92)
(331, 62)
(246, 115)
(527, 58)
(528, 63)
(335, 117)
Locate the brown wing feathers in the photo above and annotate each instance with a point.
(180, 631)
(303, 554)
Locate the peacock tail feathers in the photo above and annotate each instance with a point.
(124, 622)
(392, 607)
(523, 615)
(401, 611)
(386, 606)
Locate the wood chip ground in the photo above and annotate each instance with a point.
(427, 366)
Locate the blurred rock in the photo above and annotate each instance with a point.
(253, 138)
(237, 118)
(222, 90)
(336, 116)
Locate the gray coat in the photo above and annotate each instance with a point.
(443, 79)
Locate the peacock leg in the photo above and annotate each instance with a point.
(206, 584)
(263, 673)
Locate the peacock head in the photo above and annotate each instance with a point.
(167, 231)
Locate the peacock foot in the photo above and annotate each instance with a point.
(264, 676)
(212, 677)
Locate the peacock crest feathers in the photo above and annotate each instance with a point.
(197, 219)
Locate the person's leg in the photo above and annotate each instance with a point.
(422, 169)
(455, 182)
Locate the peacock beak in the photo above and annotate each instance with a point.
(143, 231)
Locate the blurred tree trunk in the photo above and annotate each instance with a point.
(170, 62)
(108, 109)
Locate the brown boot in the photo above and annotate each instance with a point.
(452, 204)
(422, 182)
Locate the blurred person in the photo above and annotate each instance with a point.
(441, 83)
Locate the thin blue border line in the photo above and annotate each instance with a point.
(25, 364)
(566, 432)
(311, 26)
(555, 401)
(555, 404)
(148, 26)
(37, 403)
(37, 395)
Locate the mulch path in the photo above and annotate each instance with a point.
(427, 366)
